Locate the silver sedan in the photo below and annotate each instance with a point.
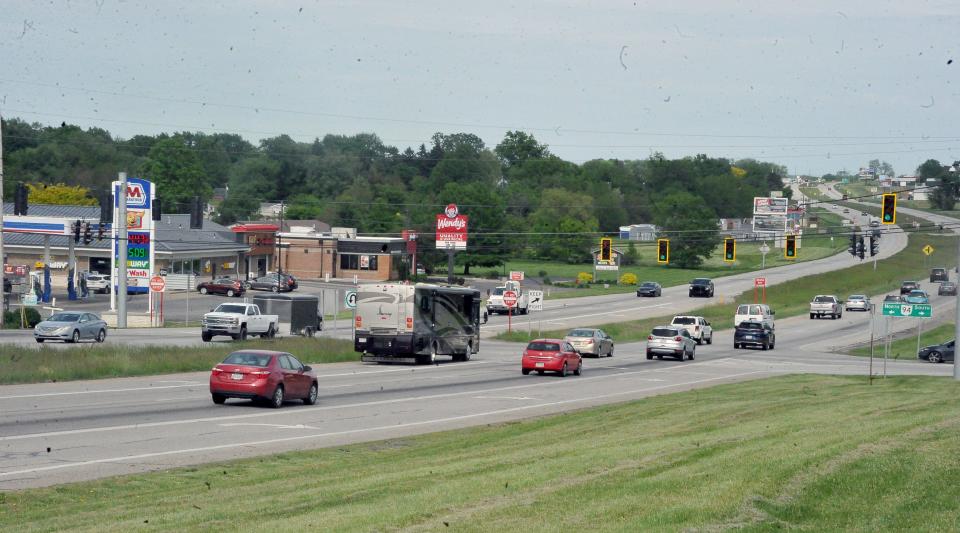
(71, 326)
(857, 302)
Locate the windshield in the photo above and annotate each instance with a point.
(750, 325)
(498, 291)
(544, 346)
(684, 320)
(581, 333)
(664, 332)
(648, 285)
(701, 281)
(231, 308)
(823, 299)
(248, 359)
(64, 317)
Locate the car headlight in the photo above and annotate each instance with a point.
(63, 329)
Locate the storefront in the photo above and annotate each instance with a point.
(261, 239)
(342, 255)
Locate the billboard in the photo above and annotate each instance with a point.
(451, 229)
(769, 223)
(140, 234)
(769, 206)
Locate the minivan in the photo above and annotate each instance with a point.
(756, 312)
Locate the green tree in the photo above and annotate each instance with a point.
(177, 171)
(944, 196)
(238, 206)
(518, 147)
(566, 226)
(690, 225)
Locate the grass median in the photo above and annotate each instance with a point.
(906, 347)
(33, 365)
(792, 298)
(763, 455)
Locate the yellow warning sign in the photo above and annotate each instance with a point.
(928, 249)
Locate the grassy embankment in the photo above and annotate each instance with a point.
(748, 259)
(906, 347)
(792, 298)
(758, 456)
(94, 361)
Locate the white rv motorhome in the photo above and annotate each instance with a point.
(416, 323)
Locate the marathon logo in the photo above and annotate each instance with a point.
(136, 195)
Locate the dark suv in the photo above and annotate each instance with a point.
(939, 274)
(701, 287)
(752, 333)
(908, 286)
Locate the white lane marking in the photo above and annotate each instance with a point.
(408, 369)
(280, 426)
(128, 458)
(273, 413)
(567, 318)
(101, 391)
(503, 398)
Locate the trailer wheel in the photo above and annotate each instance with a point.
(307, 332)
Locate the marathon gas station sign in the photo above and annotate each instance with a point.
(140, 234)
(451, 229)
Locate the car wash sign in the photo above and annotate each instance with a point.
(140, 234)
(451, 229)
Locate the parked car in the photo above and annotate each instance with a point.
(263, 375)
(938, 353)
(649, 288)
(939, 274)
(908, 286)
(671, 340)
(697, 326)
(759, 312)
(917, 296)
(272, 282)
(71, 326)
(229, 286)
(874, 223)
(701, 287)
(947, 288)
(589, 341)
(857, 302)
(753, 333)
(99, 283)
(551, 355)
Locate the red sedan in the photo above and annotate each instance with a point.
(554, 355)
(262, 374)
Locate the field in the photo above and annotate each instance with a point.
(32, 365)
(792, 298)
(758, 456)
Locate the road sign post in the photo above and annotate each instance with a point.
(762, 284)
(509, 300)
(157, 285)
(534, 303)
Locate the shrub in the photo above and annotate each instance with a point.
(584, 278)
(11, 319)
(492, 274)
(546, 280)
(628, 279)
(542, 273)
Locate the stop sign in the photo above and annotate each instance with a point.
(509, 298)
(157, 284)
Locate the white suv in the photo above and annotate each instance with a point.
(98, 283)
(700, 330)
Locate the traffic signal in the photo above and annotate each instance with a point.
(790, 248)
(105, 199)
(860, 247)
(606, 249)
(874, 245)
(157, 210)
(20, 195)
(101, 228)
(76, 231)
(87, 233)
(889, 213)
(853, 245)
(729, 250)
(196, 213)
(663, 251)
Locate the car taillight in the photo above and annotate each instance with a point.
(649, 337)
(236, 284)
(217, 370)
(260, 373)
(678, 339)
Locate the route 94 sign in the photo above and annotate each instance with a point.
(903, 309)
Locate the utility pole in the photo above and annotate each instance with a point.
(122, 253)
(280, 248)
(956, 327)
(2, 273)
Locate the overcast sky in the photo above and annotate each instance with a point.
(816, 85)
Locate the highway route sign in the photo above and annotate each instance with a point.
(509, 298)
(536, 300)
(904, 309)
(157, 284)
(350, 299)
(927, 250)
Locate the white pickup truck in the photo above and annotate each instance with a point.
(495, 302)
(238, 321)
(826, 304)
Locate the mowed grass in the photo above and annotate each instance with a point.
(812, 453)
(906, 347)
(792, 298)
(32, 365)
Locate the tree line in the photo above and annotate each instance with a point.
(522, 200)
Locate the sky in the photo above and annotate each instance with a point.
(817, 86)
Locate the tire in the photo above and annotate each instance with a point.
(274, 289)
(693, 354)
(276, 399)
(710, 340)
(271, 332)
(218, 398)
(700, 340)
(839, 315)
(469, 354)
(811, 316)
(935, 357)
(242, 336)
(610, 353)
(203, 290)
(206, 336)
(683, 355)
(308, 332)
(311, 396)
(765, 346)
(579, 370)
(75, 338)
(525, 371)
(649, 355)
(101, 335)
(230, 293)
(736, 346)
(660, 357)
(563, 371)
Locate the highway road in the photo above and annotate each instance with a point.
(60, 432)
